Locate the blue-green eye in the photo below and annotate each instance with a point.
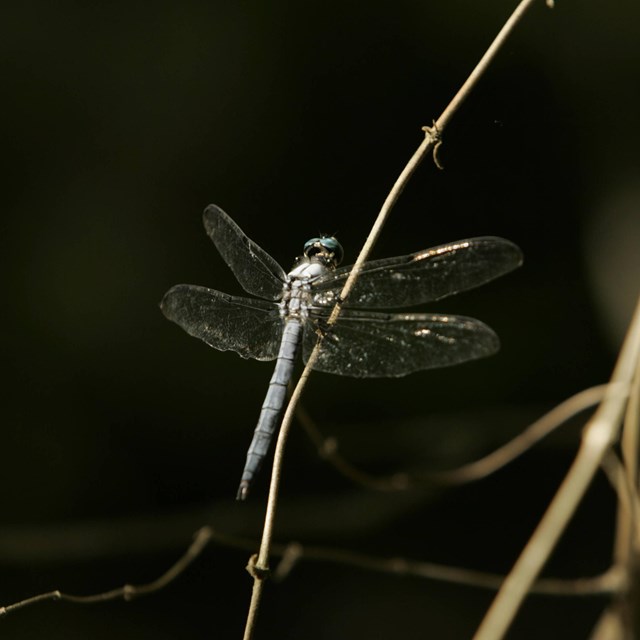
(310, 243)
(328, 246)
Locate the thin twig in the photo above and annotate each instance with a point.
(504, 455)
(531, 435)
(599, 434)
(481, 67)
(432, 137)
(327, 448)
(202, 537)
(606, 583)
(291, 554)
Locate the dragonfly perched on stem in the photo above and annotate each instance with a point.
(295, 307)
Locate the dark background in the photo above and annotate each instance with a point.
(121, 435)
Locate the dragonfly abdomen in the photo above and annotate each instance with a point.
(272, 406)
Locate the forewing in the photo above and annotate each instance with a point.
(257, 272)
(251, 328)
(423, 276)
(380, 345)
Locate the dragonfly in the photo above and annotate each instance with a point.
(291, 310)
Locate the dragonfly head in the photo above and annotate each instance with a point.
(327, 250)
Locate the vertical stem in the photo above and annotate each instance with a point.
(599, 434)
(430, 141)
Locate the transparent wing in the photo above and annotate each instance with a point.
(382, 345)
(252, 328)
(257, 272)
(423, 276)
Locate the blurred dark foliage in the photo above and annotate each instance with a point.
(121, 123)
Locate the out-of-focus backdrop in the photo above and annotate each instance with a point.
(121, 434)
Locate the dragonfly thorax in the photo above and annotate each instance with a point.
(297, 293)
(307, 269)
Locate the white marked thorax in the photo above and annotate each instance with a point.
(297, 294)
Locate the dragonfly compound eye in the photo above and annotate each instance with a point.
(330, 247)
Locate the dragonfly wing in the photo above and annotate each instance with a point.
(251, 328)
(257, 272)
(381, 345)
(423, 276)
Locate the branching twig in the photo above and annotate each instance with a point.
(293, 553)
(427, 145)
(127, 592)
(599, 435)
(624, 476)
(504, 455)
